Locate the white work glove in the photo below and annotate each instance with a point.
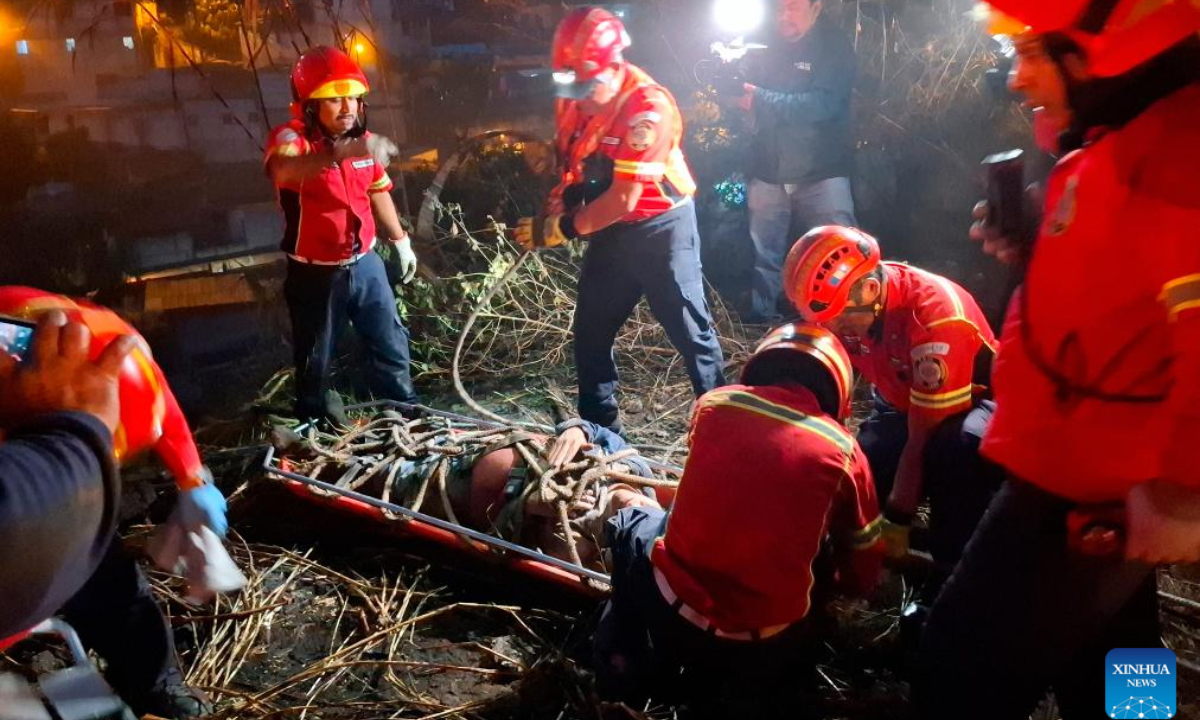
(382, 149)
(406, 259)
(1163, 523)
(189, 544)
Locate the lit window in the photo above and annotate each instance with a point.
(22, 47)
(70, 45)
(127, 41)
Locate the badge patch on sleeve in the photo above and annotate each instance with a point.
(929, 373)
(642, 136)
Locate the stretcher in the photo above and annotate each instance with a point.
(395, 518)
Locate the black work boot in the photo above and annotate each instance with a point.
(172, 699)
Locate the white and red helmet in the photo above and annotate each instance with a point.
(588, 41)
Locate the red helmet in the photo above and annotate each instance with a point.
(143, 400)
(325, 72)
(1117, 36)
(823, 266)
(817, 343)
(587, 41)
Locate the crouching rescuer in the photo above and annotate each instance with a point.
(334, 190)
(776, 507)
(627, 190)
(926, 347)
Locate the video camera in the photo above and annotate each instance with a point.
(734, 19)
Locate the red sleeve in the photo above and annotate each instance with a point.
(856, 528)
(286, 141)
(645, 129)
(1174, 227)
(176, 447)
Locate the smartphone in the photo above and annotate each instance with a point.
(1006, 194)
(15, 336)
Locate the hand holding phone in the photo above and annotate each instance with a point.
(15, 335)
(55, 374)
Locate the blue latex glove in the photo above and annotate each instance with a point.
(204, 505)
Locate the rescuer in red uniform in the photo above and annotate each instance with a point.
(115, 612)
(924, 344)
(723, 584)
(334, 190)
(1098, 378)
(627, 190)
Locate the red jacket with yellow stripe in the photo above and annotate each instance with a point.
(638, 137)
(1098, 384)
(931, 353)
(769, 476)
(327, 217)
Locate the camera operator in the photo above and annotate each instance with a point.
(796, 93)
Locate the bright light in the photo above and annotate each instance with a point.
(359, 48)
(127, 41)
(22, 47)
(70, 45)
(738, 17)
(565, 78)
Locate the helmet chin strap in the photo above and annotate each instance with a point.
(875, 309)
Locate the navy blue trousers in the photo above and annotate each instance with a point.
(116, 616)
(959, 482)
(1022, 613)
(658, 259)
(321, 300)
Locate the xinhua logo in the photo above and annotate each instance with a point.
(1139, 683)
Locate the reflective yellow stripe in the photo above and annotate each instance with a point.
(941, 400)
(831, 432)
(1181, 294)
(868, 536)
(629, 167)
(381, 183)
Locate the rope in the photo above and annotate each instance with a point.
(483, 304)
(388, 442)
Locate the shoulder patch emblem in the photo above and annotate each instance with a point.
(287, 135)
(650, 116)
(929, 373)
(642, 136)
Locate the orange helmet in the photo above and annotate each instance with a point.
(325, 72)
(819, 344)
(143, 401)
(823, 266)
(587, 41)
(1117, 35)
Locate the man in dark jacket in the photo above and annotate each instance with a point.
(797, 96)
